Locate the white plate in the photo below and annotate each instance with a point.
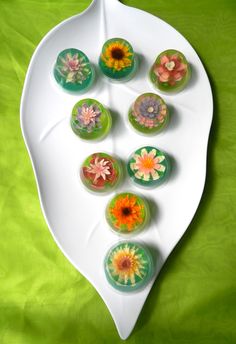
(75, 217)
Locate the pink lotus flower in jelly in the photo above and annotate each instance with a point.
(74, 68)
(100, 168)
(170, 69)
(88, 116)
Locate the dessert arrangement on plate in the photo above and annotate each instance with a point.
(128, 265)
(118, 146)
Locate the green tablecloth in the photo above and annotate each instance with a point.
(43, 299)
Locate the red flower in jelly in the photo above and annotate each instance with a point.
(170, 69)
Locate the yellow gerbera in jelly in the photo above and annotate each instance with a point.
(117, 55)
(127, 263)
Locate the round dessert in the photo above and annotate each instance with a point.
(100, 172)
(117, 60)
(170, 72)
(73, 70)
(128, 266)
(148, 114)
(148, 167)
(90, 120)
(127, 213)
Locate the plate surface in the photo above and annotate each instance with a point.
(75, 217)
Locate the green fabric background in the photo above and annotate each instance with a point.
(43, 299)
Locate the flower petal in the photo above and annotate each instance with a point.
(161, 158)
(144, 152)
(155, 175)
(138, 175)
(178, 76)
(181, 67)
(164, 77)
(159, 70)
(152, 153)
(133, 166)
(146, 177)
(161, 168)
(164, 59)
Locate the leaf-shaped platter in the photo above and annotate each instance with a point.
(75, 217)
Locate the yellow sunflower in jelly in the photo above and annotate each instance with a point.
(117, 55)
(117, 58)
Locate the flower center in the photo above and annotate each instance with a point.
(73, 65)
(150, 109)
(148, 163)
(117, 53)
(170, 65)
(126, 211)
(125, 263)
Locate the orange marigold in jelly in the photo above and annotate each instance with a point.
(127, 213)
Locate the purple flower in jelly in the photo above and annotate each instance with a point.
(149, 111)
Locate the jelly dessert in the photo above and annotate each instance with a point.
(100, 172)
(117, 60)
(90, 120)
(73, 70)
(148, 114)
(127, 213)
(128, 266)
(170, 72)
(148, 167)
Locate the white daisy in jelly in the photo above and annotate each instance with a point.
(148, 166)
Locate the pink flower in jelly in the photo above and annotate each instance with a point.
(73, 68)
(100, 168)
(147, 165)
(170, 69)
(88, 116)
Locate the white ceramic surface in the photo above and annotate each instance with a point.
(75, 217)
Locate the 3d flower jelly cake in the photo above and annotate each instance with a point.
(148, 167)
(127, 213)
(128, 266)
(170, 72)
(90, 120)
(73, 71)
(100, 172)
(149, 114)
(117, 60)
